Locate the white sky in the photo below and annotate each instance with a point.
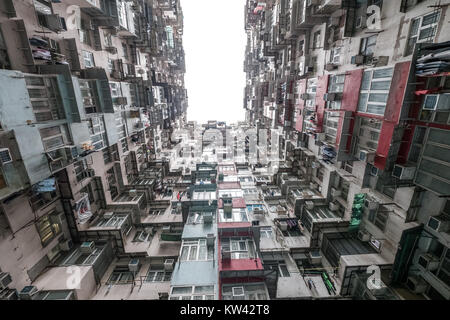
(214, 42)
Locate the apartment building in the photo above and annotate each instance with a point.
(91, 91)
(101, 200)
(353, 86)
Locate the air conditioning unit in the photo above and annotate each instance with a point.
(207, 217)
(168, 264)
(416, 284)
(428, 261)
(309, 205)
(210, 239)
(133, 193)
(133, 265)
(363, 236)
(238, 292)
(335, 192)
(226, 254)
(5, 156)
(371, 205)
(27, 292)
(333, 206)
(330, 67)
(5, 280)
(166, 229)
(366, 156)
(358, 59)
(108, 215)
(439, 223)
(87, 247)
(403, 173)
(66, 245)
(315, 257)
(283, 225)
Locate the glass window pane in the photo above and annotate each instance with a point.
(193, 253)
(383, 73)
(415, 27)
(184, 252)
(378, 97)
(427, 33)
(202, 254)
(366, 80)
(439, 136)
(430, 19)
(380, 85)
(375, 109)
(362, 102)
(436, 169)
(182, 290)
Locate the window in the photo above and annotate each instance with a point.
(416, 145)
(80, 170)
(316, 41)
(379, 218)
(88, 58)
(48, 228)
(124, 143)
(158, 274)
(121, 275)
(266, 232)
(368, 44)
(255, 291)
(197, 217)
(280, 266)
(43, 8)
(240, 247)
(375, 91)
(125, 50)
(192, 293)
(196, 250)
(434, 167)
(335, 85)
(54, 295)
(311, 91)
(141, 236)
(45, 98)
(110, 65)
(108, 39)
(85, 36)
(335, 56)
(423, 29)
(97, 131)
(90, 99)
(52, 137)
(236, 215)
